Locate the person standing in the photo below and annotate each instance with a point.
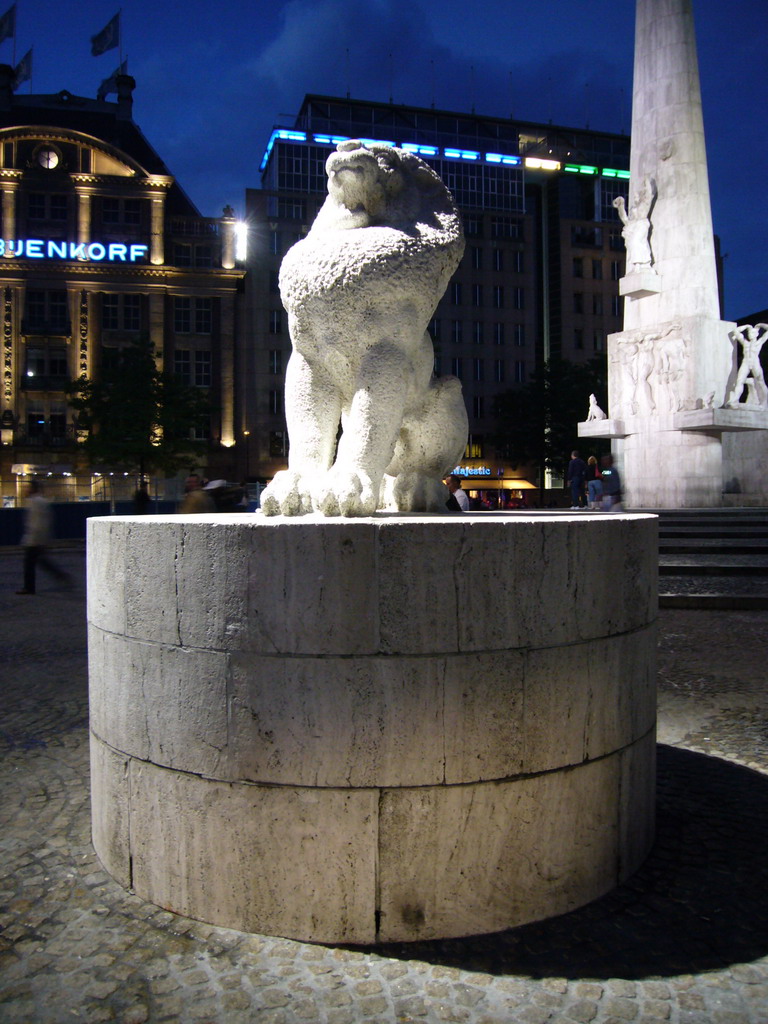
(594, 483)
(458, 495)
(577, 474)
(37, 536)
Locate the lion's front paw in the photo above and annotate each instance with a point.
(345, 492)
(287, 495)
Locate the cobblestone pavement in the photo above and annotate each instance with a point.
(684, 941)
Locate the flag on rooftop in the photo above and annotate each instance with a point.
(23, 70)
(108, 38)
(8, 24)
(110, 84)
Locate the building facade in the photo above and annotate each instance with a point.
(100, 246)
(539, 277)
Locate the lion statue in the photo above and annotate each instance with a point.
(360, 290)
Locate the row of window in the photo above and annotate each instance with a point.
(109, 210)
(499, 296)
(45, 363)
(515, 259)
(475, 369)
(581, 265)
(499, 332)
(48, 309)
(580, 306)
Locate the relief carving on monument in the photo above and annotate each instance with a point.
(360, 290)
(651, 371)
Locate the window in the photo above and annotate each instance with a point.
(292, 209)
(41, 206)
(478, 332)
(182, 315)
(598, 341)
(478, 369)
(578, 266)
(498, 334)
(274, 286)
(122, 212)
(586, 237)
(477, 295)
(434, 329)
(456, 331)
(47, 310)
(597, 270)
(615, 270)
(616, 309)
(597, 304)
(278, 444)
(275, 401)
(192, 315)
(472, 227)
(182, 365)
(275, 361)
(275, 321)
(203, 256)
(274, 243)
(476, 254)
(519, 335)
(498, 259)
(578, 339)
(456, 367)
(203, 316)
(193, 367)
(616, 241)
(202, 378)
(507, 227)
(456, 293)
(131, 312)
(518, 298)
(498, 370)
(498, 296)
(519, 261)
(478, 407)
(45, 366)
(182, 255)
(578, 302)
(520, 372)
(436, 364)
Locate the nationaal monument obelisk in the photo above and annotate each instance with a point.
(679, 429)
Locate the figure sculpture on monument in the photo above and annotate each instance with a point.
(751, 339)
(637, 226)
(360, 290)
(595, 412)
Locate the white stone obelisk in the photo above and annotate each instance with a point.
(671, 367)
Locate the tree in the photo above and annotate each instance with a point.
(537, 423)
(137, 416)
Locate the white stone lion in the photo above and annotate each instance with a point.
(360, 290)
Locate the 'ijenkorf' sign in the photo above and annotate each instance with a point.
(47, 249)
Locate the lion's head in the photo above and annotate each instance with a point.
(378, 185)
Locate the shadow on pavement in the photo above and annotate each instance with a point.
(700, 901)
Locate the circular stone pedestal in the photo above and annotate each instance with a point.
(364, 730)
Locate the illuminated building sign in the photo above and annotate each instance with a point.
(471, 471)
(97, 252)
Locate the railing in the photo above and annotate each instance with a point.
(22, 438)
(194, 227)
(56, 328)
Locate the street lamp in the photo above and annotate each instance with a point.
(246, 435)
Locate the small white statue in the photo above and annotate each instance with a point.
(360, 290)
(595, 412)
(637, 226)
(751, 340)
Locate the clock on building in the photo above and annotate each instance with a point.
(48, 158)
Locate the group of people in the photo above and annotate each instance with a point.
(594, 485)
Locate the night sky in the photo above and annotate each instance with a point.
(214, 76)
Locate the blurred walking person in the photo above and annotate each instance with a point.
(37, 535)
